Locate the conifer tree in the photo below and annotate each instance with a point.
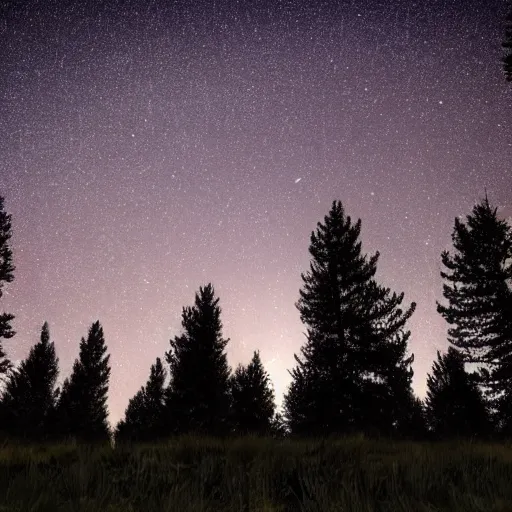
(414, 426)
(455, 407)
(143, 420)
(82, 411)
(252, 399)
(278, 428)
(507, 44)
(301, 405)
(61, 419)
(6, 276)
(355, 348)
(30, 395)
(198, 397)
(132, 427)
(155, 400)
(477, 286)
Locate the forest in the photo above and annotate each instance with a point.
(353, 376)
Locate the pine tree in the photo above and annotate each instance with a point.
(155, 400)
(62, 418)
(6, 276)
(507, 44)
(301, 404)
(479, 300)
(278, 428)
(198, 398)
(252, 399)
(414, 424)
(30, 396)
(132, 427)
(354, 371)
(387, 398)
(144, 415)
(82, 409)
(455, 407)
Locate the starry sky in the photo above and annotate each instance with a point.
(148, 148)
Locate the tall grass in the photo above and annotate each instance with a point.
(256, 474)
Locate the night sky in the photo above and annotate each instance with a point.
(147, 149)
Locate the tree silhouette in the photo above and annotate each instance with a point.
(414, 424)
(278, 428)
(501, 352)
(388, 400)
(198, 397)
(143, 420)
(301, 404)
(155, 399)
(30, 396)
(252, 399)
(504, 401)
(82, 411)
(354, 374)
(6, 276)
(133, 427)
(455, 407)
(507, 44)
(479, 300)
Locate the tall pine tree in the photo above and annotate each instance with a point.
(30, 395)
(144, 415)
(355, 374)
(198, 398)
(477, 286)
(455, 407)
(82, 411)
(6, 276)
(252, 399)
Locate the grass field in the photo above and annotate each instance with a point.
(250, 474)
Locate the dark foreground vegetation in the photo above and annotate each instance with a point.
(257, 474)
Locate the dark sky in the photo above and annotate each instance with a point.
(150, 148)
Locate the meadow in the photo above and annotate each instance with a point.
(254, 474)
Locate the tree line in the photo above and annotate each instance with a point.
(354, 373)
